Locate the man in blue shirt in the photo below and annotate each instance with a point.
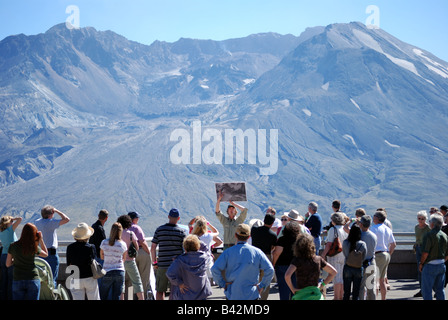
(48, 225)
(241, 265)
(314, 224)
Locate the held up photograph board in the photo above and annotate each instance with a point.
(232, 191)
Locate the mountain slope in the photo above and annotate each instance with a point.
(372, 103)
(87, 117)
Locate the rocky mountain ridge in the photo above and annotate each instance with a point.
(87, 117)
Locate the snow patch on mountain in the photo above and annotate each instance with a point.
(368, 41)
(391, 144)
(248, 81)
(354, 102)
(432, 65)
(307, 112)
(350, 139)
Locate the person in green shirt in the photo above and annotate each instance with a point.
(420, 229)
(21, 254)
(432, 263)
(231, 221)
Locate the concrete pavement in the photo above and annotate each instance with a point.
(400, 289)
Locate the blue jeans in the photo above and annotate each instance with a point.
(283, 289)
(112, 285)
(53, 261)
(433, 278)
(25, 289)
(5, 279)
(317, 242)
(352, 276)
(418, 255)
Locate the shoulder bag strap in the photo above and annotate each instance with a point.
(336, 233)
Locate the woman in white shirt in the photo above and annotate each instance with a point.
(113, 252)
(338, 260)
(208, 238)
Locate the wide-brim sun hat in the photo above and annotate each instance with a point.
(256, 223)
(82, 231)
(294, 215)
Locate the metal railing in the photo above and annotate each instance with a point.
(404, 240)
(62, 247)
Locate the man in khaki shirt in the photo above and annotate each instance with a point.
(230, 222)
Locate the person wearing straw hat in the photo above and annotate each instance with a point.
(294, 215)
(79, 256)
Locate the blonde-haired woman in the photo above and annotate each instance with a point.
(201, 230)
(8, 225)
(206, 232)
(113, 252)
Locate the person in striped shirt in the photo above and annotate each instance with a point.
(169, 238)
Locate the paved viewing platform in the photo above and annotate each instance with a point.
(402, 273)
(400, 289)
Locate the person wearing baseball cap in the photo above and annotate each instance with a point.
(174, 213)
(169, 238)
(369, 263)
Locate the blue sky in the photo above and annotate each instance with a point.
(421, 23)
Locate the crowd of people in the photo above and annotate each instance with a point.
(288, 252)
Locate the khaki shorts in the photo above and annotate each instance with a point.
(162, 281)
(382, 260)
